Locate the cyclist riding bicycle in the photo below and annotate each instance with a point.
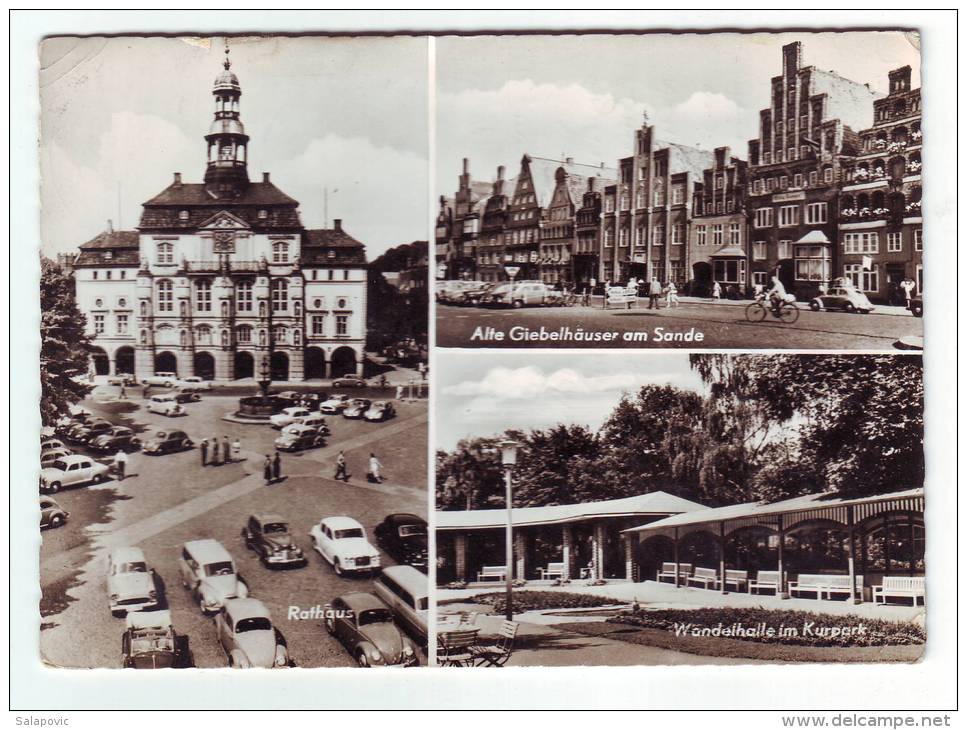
(776, 295)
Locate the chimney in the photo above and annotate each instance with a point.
(791, 59)
(265, 177)
(500, 172)
(177, 178)
(110, 226)
(466, 165)
(337, 224)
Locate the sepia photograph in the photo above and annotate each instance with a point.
(716, 190)
(666, 508)
(234, 302)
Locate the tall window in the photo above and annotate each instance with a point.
(918, 239)
(678, 192)
(813, 178)
(659, 194)
(279, 334)
(342, 324)
(862, 279)
(244, 333)
(816, 213)
(717, 235)
(243, 296)
(701, 236)
(759, 250)
(678, 234)
(658, 235)
(98, 324)
(166, 296)
(788, 215)
(280, 252)
(735, 234)
(863, 243)
(812, 263)
(785, 249)
(280, 295)
(203, 295)
(318, 324)
(165, 253)
(894, 242)
(623, 236)
(763, 217)
(608, 237)
(122, 324)
(203, 335)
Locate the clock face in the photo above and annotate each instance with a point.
(224, 242)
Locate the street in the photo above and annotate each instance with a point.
(168, 500)
(695, 324)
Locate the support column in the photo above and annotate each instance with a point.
(143, 362)
(460, 550)
(677, 568)
(186, 362)
(224, 365)
(520, 554)
(567, 550)
(359, 368)
(327, 374)
(781, 593)
(722, 557)
(631, 567)
(598, 551)
(297, 365)
(851, 560)
(111, 366)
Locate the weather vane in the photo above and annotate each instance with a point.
(228, 62)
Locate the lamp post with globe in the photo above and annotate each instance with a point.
(508, 458)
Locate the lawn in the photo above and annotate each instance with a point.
(536, 600)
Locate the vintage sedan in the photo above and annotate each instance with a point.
(51, 443)
(298, 437)
(335, 404)
(130, 584)
(293, 414)
(166, 442)
(349, 381)
(245, 631)
(268, 535)
(208, 571)
(188, 394)
(341, 541)
(356, 408)
(48, 457)
(364, 625)
(313, 398)
(121, 379)
(196, 382)
(403, 536)
(51, 513)
(381, 410)
(119, 437)
(149, 641)
(86, 432)
(72, 471)
(841, 297)
(316, 421)
(166, 380)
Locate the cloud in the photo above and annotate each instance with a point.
(709, 119)
(531, 382)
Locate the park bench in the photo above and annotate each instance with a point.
(455, 648)
(765, 579)
(705, 576)
(492, 572)
(553, 570)
(497, 653)
(668, 571)
(900, 586)
(737, 578)
(824, 584)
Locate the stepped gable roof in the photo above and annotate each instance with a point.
(331, 247)
(163, 210)
(110, 248)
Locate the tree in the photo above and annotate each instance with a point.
(64, 345)
(548, 463)
(470, 477)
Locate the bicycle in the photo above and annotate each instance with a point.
(758, 310)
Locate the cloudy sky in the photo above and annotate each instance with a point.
(583, 97)
(338, 113)
(537, 390)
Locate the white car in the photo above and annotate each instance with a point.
(196, 382)
(49, 456)
(130, 584)
(208, 571)
(314, 420)
(342, 543)
(290, 415)
(71, 471)
(336, 404)
(166, 380)
(166, 405)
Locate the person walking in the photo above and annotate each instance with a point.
(399, 392)
(341, 467)
(716, 291)
(267, 469)
(277, 467)
(671, 295)
(123, 395)
(215, 461)
(654, 291)
(204, 452)
(226, 451)
(236, 450)
(907, 285)
(120, 462)
(374, 469)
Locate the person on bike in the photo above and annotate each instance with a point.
(776, 295)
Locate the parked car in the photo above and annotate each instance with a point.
(166, 405)
(268, 535)
(403, 536)
(166, 442)
(364, 625)
(188, 393)
(149, 641)
(121, 379)
(48, 457)
(349, 381)
(839, 297)
(356, 408)
(289, 396)
(474, 295)
(245, 631)
(341, 541)
(194, 381)
(51, 513)
(405, 590)
(208, 571)
(87, 432)
(316, 421)
(51, 444)
(916, 306)
(130, 584)
(335, 404)
(298, 437)
(119, 437)
(381, 410)
(293, 414)
(72, 471)
(313, 398)
(166, 380)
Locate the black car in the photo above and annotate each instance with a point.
(268, 535)
(149, 642)
(916, 306)
(287, 398)
(313, 398)
(403, 536)
(165, 442)
(119, 437)
(89, 432)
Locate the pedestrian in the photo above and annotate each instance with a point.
(374, 469)
(341, 467)
(716, 291)
(204, 452)
(236, 450)
(277, 467)
(124, 393)
(226, 451)
(146, 391)
(654, 291)
(120, 461)
(215, 461)
(908, 286)
(399, 392)
(267, 469)
(671, 295)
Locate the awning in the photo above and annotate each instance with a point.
(814, 237)
(644, 505)
(730, 251)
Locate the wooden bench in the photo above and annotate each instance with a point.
(900, 586)
(737, 578)
(824, 585)
(765, 579)
(668, 571)
(492, 572)
(705, 576)
(553, 570)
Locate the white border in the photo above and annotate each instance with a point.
(928, 685)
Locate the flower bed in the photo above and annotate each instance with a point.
(540, 600)
(797, 628)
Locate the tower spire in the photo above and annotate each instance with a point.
(226, 174)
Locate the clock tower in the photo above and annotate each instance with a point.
(226, 175)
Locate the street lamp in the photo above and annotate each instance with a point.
(508, 458)
(265, 378)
